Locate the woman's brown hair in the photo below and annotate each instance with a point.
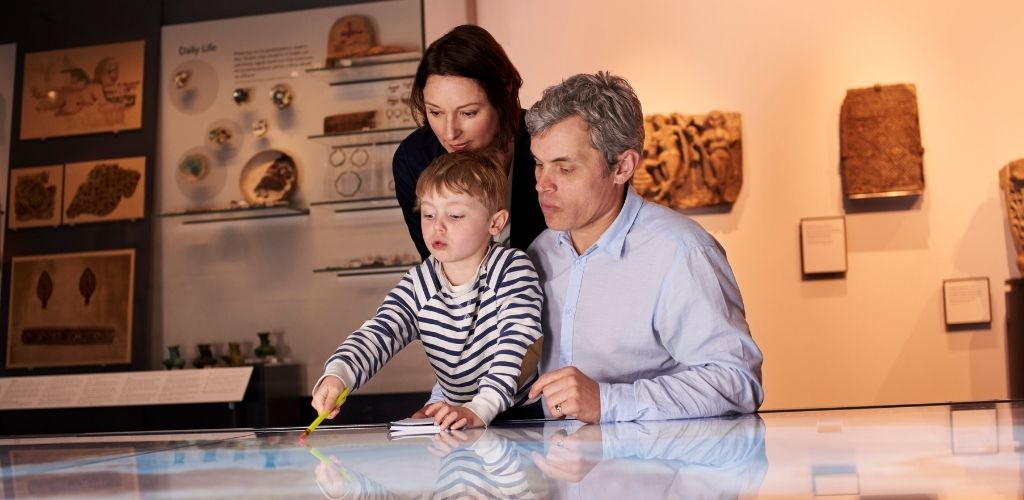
(471, 52)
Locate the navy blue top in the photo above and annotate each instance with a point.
(416, 152)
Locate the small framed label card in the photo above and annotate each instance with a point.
(823, 245)
(967, 301)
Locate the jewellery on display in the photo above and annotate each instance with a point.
(218, 135)
(359, 157)
(193, 168)
(392, 100)
(337, 157)
(348, 183)
(181, 78)
(406, 97)
(281, 96)
(260, 127)
(240, 96)
(393, 87)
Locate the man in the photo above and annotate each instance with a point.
(643, 315)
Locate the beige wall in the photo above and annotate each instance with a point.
(877, 336)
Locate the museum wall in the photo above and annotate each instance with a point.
(873, 336)
(877, 335)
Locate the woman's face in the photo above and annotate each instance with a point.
(459, 113)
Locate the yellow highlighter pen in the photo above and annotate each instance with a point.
(320, 418)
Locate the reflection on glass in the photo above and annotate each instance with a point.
(697, 458)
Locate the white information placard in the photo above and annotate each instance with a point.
(211, 385)
(823, 245)
(967, 301)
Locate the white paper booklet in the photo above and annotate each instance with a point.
(413, 427)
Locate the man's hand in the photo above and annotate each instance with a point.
(568, 392)
(326, 393)
(571, 457)
(448, 416)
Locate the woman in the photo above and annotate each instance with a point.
(466, 97)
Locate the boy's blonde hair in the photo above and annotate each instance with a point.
(465, 172)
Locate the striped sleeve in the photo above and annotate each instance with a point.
(518, 300)
(380, 338)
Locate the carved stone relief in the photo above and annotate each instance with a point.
(880, 142)
(1011, 179)
(691, 161)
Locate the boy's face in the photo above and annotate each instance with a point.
(457, 229)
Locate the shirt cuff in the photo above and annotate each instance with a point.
(340, 371)
(618, 402)
(485, 404)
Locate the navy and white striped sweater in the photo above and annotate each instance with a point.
(475, 335)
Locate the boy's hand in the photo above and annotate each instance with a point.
(325, 394)
(453, 417)
(422, 412)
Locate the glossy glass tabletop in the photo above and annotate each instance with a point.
(940, 451)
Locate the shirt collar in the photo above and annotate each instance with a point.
(613, 240)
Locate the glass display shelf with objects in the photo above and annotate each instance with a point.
(360, 204)
(379, 264)
(368, 69)
(366, 137)
(237, 213)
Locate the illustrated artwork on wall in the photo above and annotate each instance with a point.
(71, 309)
(880, 142)
(105, 190)
(691, 161)
(35, 197)
(1011, 179)
(82, 90)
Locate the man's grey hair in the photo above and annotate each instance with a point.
(607, 103)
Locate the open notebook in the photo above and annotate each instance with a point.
(413, 427)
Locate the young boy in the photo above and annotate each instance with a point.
(475, 305)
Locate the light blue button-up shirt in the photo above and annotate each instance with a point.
(652, 312)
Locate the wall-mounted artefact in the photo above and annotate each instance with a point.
(880, 142)
(1011, 179)
(691, 161)
(105, 190)
(35, 197)
(71, 309)
(84, 90)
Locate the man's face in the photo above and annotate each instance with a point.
(577, 192)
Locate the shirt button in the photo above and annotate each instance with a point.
(568, 313)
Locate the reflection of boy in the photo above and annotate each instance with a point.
(474, 305)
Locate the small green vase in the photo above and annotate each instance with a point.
(205, 356)
(175, 361)
(264, 350)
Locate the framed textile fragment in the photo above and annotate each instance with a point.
(691, 161)
(35, 197)
(71, 309)
(105, 190)
(82, 90)
(880, 142)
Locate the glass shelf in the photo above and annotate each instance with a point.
(365, 137)
(342, 272)
(360, 205)
(369, 69)
(234, 214)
